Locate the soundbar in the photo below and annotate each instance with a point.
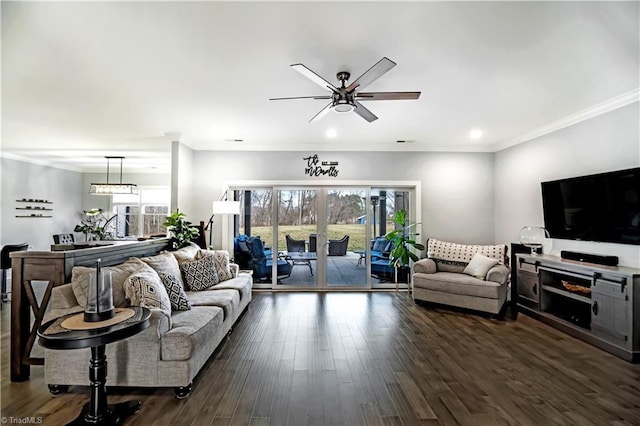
(599, 259)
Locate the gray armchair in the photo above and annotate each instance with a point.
(339, 247)
(448, 277)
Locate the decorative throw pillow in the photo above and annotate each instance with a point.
(480, 265)
(119, 273)
(177, 296)
(199, 274)
(144, 288)
(166, 263)
(221, 262)
(186, 253)
(443, 250)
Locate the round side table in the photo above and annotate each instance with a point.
(97, 411)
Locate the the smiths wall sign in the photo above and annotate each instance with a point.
(315, 167)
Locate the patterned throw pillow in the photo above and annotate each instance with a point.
(144, 288)
(177, 296)
(199, 274)
(221, 262)
(454, 252)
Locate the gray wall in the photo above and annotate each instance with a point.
(457, 188)
(28, 180)
(604, 143)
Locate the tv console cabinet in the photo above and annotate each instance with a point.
(596, 303)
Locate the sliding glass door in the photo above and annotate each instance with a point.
(329, 237)
(347, 235)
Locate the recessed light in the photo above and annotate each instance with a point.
(331, 133)
(475, 134)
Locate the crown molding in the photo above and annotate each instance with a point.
(16, 157)
(575, 118)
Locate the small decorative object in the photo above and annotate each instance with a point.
(533, 237)
(99, 296)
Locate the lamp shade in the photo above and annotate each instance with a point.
(226, 207)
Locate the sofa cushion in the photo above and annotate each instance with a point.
(479, 266)
(242, 283)
(228, 300)
(451, 282)
(221, 262)
(443, 250)
(186, 253)
(165, 263)
(190, 330)
(119, 273)
(177, 296)
(199, 274)
(144, 288)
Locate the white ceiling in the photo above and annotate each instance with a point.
(81, 80)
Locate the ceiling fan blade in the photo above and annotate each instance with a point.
(301, 97)
(386, 96)
(372, 74)
(363, 112)
(322, 112)
(314, 77)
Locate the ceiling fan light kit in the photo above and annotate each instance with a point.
(346, 98)
(113, 188)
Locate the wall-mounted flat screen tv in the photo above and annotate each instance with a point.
(603, 207)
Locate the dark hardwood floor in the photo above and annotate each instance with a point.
(371, 358)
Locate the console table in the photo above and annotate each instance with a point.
(49, 269)
(596, 303)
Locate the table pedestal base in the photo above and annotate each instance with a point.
(115, 414)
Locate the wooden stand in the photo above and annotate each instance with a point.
(33, 268)
(596, 303)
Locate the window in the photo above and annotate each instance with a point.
(143, 214)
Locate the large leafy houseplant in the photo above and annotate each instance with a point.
(180, 229)
(94, 225)
(403, 242)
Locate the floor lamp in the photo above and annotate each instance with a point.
(222, 207)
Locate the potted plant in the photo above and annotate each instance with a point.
(94, 225)
(181, 230)
(403, 243)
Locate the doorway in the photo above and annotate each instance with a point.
(321, 237)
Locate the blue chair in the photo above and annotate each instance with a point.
(380, 251)
(249, 253)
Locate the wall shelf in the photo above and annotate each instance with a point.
(37, 201)
(32, 216)
(41, 209)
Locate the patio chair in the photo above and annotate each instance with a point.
(339, 247)
(295, 245)
(249, 253)
(313, 242)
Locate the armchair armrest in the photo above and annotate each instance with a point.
(498, 274)
(425, 266)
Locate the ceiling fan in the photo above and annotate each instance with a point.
(346, 97)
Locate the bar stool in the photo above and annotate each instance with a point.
(5, 263)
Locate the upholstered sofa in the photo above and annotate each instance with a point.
(467, 276)
(178, 342)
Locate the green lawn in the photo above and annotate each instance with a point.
(355, 232)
